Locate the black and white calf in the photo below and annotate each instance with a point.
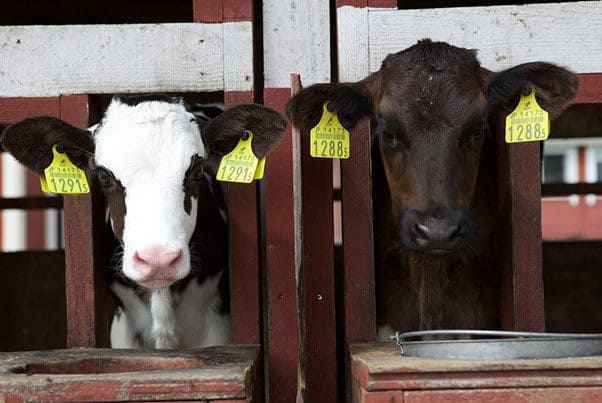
(156, 163)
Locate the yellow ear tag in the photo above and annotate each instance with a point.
(44, 185)
(329, 139)
(240, 164)
(260, 169)
(62, 177)
(527, 122)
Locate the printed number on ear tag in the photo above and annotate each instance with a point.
(240, 164)
(62, 177)
(329, 139)
(528, 121)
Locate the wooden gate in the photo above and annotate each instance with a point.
(215, 53)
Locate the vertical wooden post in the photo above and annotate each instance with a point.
(358, 245)
(359, 313)
(282, 260)
(244, 253)
(521, 284)
(317, 273)
(86, 288)
(243, 204)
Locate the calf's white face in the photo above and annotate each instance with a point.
(146, 150)
(151, 158)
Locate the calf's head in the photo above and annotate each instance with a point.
(150, 156)
(430, 105)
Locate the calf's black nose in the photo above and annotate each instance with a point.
(435, 234)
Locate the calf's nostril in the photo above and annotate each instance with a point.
(421, 231)
(455, 233)
(178, 256)
(138, 260)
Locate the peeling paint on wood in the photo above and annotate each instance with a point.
(216, 373)
(563, 33)
(75, 59)
(379, 368)
(296, 40)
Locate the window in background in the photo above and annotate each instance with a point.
(553, 168)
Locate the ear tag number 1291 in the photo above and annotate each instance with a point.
(240, 165)
(329, 139)
(528, 121)
(63, 177)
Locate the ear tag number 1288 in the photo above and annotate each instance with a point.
(63, 177)
(239, 165)
(329, 139)
(528, 121)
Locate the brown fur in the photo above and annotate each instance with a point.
(434, 161)
(220, 135)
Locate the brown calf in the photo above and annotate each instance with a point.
(434, 200)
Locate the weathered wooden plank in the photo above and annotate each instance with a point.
(238, 55)
(359, 303)
(590, 89)
(521, 283)
(352, 40)
(392, 4)
(498, 32)
(86, 288)
(548, 395)
(225, 372)
(68, 59)
(380, 367)
(237, 10)
(207, 11)
(296, 40)
(358, 249)
(244, 254)
(282, 260)
(318, 273)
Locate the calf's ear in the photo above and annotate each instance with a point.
(555, 87)
(221, 134)
(30, 141)
(350, 102)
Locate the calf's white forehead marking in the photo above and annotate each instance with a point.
(151, 138)
(148, 147)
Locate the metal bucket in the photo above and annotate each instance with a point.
(511, 346)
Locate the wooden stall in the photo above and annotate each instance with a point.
(367, 32)
(215, 52)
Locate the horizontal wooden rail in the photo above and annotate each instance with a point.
(565, 189)
(31, 203)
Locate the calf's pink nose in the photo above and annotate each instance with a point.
(155, 259)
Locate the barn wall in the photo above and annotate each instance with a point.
(32, 297)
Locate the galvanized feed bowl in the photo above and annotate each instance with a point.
(497, 345)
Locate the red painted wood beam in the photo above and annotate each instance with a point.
(244, 254)
(85, 277)
(521, 283)
(590, 89)
(368, 3)
(281, 249)
(208, 11)
(318, 273)
(359, 302)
